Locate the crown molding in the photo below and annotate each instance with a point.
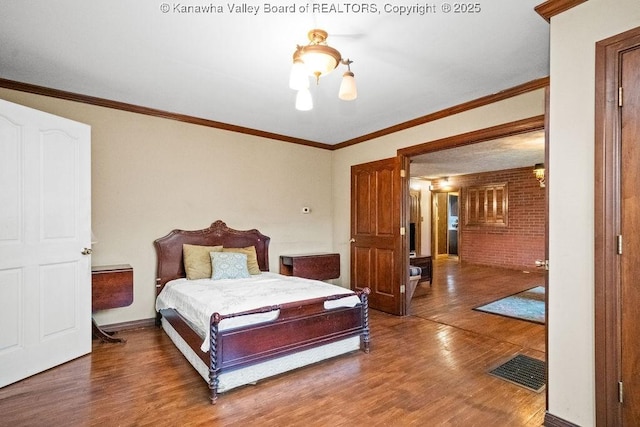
(479, 102)
(101, 102)
(487, 134)
(551, 8)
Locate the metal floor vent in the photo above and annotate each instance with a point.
(524, 371)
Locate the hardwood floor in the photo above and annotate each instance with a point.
(425, 369)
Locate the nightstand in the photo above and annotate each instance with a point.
(111, 287)
(319, 266)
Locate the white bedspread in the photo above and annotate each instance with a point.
(197, 300)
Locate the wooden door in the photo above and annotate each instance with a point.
(45, 222)
(415, 218)
(617, 228)
(376, 243)
(630, 232)
(440, 216)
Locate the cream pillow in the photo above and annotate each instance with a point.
(252, 258)
(197, 261)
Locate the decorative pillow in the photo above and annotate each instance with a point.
(252, 258)
(197, 261)
(230, 265)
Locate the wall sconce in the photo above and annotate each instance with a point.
(538, 171)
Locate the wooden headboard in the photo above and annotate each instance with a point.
(169, 248)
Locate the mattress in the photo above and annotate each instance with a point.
(197, 300)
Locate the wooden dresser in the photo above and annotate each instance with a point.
(111, 287)
(319, 266)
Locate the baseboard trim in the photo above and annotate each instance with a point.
(133, 324)
(551, 420)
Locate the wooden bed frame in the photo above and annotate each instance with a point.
(300, 325)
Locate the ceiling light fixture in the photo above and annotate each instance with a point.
(318, 59)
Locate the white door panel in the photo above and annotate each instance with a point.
(11, 292)
(45, 222)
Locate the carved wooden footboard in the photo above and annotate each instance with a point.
(299, 326)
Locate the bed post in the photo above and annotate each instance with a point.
(364, 298)
(213, 358)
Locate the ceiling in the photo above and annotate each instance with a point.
(233, 67)
(516, 151)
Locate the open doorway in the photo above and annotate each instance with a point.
(485, 187)
(464, 184)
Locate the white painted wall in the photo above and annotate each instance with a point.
(571, 201)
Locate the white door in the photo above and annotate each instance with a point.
(45, 222)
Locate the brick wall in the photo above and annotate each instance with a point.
(521, 242)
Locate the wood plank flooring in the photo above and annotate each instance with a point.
(427, 369)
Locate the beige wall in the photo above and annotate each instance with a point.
(150, 175)
(571, 200)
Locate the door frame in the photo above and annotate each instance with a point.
(434, 222)
(607, 224)
(500, 131)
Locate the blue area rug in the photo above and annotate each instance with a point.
(527, 305)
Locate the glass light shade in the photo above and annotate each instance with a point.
(304, 102)
(299, 78)
(320, 60)
(538, 171)
(348, 91)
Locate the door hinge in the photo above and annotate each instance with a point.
(620, 96)
(403, 173)
(402, 289)
(403, 231)
(619, 244)
(620, 392)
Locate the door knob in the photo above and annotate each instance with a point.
(352, 240)
(86, 251)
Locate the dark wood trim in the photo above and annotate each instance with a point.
(133, 324)
(476, 103)
(101, 102)
(107, 103)
(551, 420)
(552, 8)
(607, 224)
(487, 134)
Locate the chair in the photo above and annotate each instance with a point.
(415, 274)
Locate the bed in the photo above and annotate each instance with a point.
(240, 348)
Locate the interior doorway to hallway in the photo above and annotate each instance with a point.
(444, 223)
